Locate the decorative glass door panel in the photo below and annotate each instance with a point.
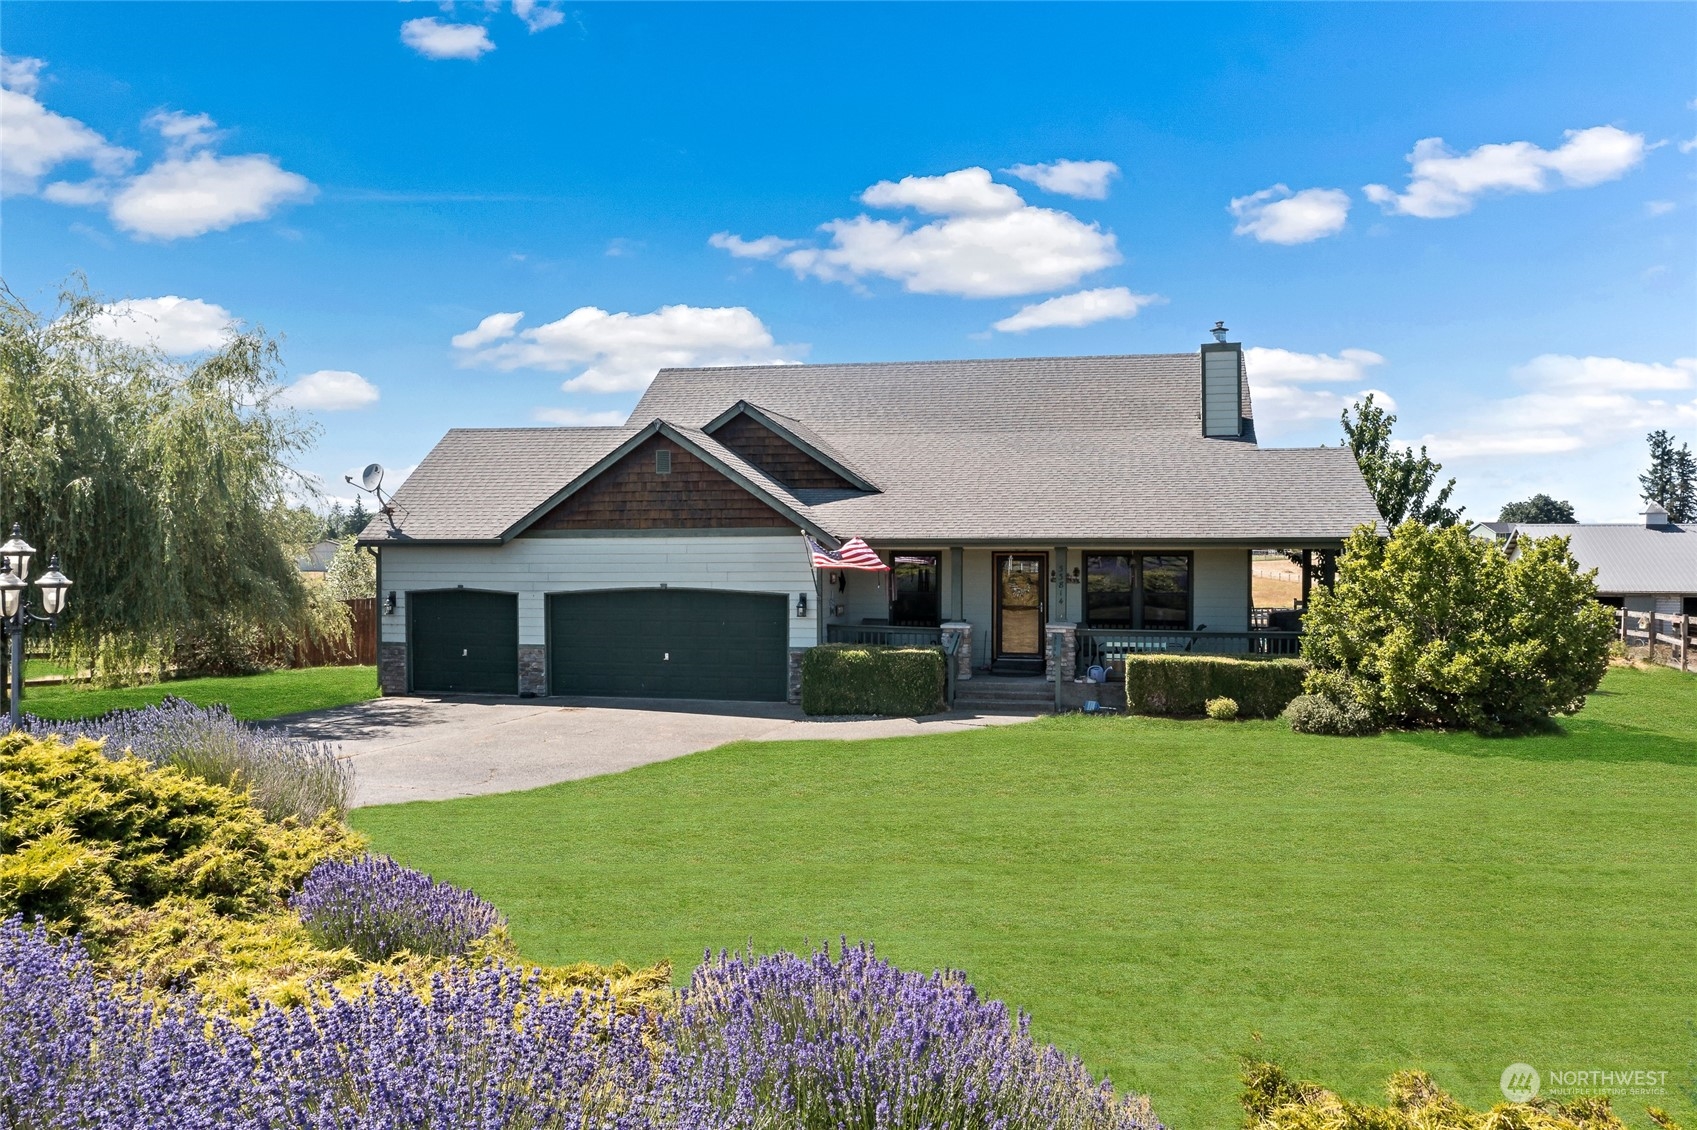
(1020, 581)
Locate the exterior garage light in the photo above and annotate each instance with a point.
(801, 604)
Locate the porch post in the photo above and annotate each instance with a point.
(1060, 605)
(1307, 576)
(957, 578)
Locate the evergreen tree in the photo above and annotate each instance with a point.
(1399, 480)
(1539, 509)
(334, 520)
(1671, 481)
(358, 516)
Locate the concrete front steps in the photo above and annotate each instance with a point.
(1005, 694)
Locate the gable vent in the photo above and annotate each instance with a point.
(663, 462)
(1222, 387)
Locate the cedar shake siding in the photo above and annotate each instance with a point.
(777, 457)
(633, 495)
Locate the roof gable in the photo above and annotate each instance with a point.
(784, 448)
(708, 487)
(631, 494)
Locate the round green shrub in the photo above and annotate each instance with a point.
(1434, 627)
(1318, 714)
(1222, 709)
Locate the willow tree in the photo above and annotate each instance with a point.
(160, 482)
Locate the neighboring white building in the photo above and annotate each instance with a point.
(1648, 566)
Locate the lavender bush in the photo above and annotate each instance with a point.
(377, 908)
(485, 1049)
(779, 1041)
(285, 776)
(854, 1042)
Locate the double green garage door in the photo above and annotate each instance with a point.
(649, 643)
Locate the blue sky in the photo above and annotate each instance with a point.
(1487, 213)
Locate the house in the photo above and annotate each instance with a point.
(1648, 566)
(316, 560)
(1103, 504)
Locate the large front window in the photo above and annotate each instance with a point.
(1137, 590)
(915, 596)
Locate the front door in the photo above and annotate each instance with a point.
(1020, 612)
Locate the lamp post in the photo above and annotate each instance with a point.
(16, 614)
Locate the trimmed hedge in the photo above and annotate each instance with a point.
(1183, 684)
(845, 678)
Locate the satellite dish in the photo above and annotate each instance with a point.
(372, 476)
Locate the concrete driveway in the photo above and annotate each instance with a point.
(438, 748)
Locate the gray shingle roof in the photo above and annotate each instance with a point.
(1070, 449)
(1630, 558)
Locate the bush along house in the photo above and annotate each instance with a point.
(1035, 511)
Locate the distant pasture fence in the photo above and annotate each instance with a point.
(1664, 637)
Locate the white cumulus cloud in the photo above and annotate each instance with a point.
(965, 192)
(1087, 180)
(1445, 183)
(177, 326)
(538, 17)
(37, 141)
(190, 191)
(434, 39)
(1573, 404)
(1078, 309)
(766, 247)
(1282, 387)
(987, 242)
(1278, 215)
(621, 352)
(331, 390)
(489, 330)
(202, 192)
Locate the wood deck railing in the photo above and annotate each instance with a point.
(885, 635)
(1666, 637)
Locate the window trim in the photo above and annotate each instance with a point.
(936, 557)
(1136, 557)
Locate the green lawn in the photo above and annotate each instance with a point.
(249, 697)
(1154, 892)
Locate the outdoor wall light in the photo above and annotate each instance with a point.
(389, 605)
(801, 604)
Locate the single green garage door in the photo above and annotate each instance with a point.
(464, 642)
(669, 643)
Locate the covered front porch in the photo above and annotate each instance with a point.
(1007, 605)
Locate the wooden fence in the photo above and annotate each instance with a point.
(360, 649)
(1664, 636)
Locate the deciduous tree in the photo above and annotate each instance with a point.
(1540, 508)
(159, 481)
(1399, 479)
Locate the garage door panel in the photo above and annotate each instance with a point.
(669, 643)
(464, 641)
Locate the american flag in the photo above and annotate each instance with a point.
(855, 554)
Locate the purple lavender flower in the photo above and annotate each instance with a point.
(485, 1049)
(854, 1042)
(377, 908)
(285, 775)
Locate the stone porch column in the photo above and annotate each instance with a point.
(963, 652)
(1068, 634)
